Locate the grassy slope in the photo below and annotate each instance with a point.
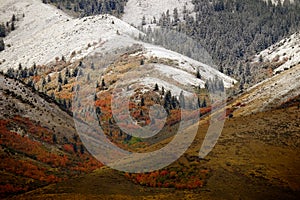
(255, 158)
(30, 158)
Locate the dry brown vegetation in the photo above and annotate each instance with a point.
(255, 158)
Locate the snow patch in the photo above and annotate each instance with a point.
(180, 76)
(272, 92)
(136, 9)
(287, 50)
(188, 64)
(175, 90)
(46, 33)
(277, 2)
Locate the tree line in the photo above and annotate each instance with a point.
(90, 7)
(231, 31)
(5, 29)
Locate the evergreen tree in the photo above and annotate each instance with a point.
(241, 87)
(59, 88)
(13, 18)
(10, 73)
(2, 45)
(75, 72)
(204, 104)
(198, 102)
(54, 138)
(198, 75)
(103, 83)
(81, 149)
(66, 81)
(67, 74)
(75, 148)
(156, 87)
(12, 28)
(167, 101)
(260, 58)
(143, 20)
(154, 20)
(2, 30)
(162, 90)
(48, 78)
(142, 62)
(182, 100)
(43, 81)
(128, 137)
(59, 78)
(142, 101)
(98, 111)
(175, 16)
(174, 102)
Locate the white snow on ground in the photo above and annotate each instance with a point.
(187, 64)
(45, 33)
(271, 92)
(286, 49)
(136, 9)
(179, 75)
(175, 90)
(276, 2)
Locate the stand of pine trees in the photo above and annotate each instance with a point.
(90, 7)
(232, 31)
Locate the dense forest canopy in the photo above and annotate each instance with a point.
(90, 7)
(232, 31)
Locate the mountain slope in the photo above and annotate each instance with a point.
(38, 141)
(279, 2)
(75, 39)
(135, 10)
(45, 33)
(269, 94)
(286, 51)
(248, 162)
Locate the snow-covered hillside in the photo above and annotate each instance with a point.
(136, 9)
(46, 33)
(287, 50)
(180, 76)
(271, 93)
(188, 65)
(276, 2)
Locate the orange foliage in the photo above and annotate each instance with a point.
(88, 165)
(26, 169)
(166, 179)
(9, 188)
(68, 148)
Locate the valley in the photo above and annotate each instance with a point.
(248, 162)
(115, 99)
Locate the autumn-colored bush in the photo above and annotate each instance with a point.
(11, 189)
(184, 179)
(68, 148)
(88, 165)
(28, 156)
(27, 169)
